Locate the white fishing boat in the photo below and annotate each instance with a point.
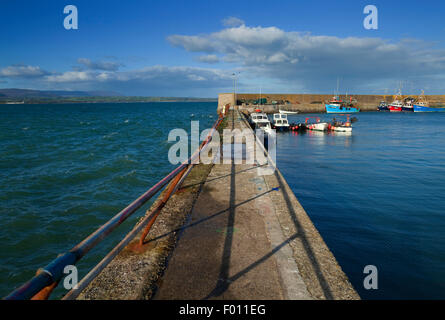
(15, 102)
(288, 112)
(280, 122)
(341, 126)
(317, 125)
(259, 120)
(258, 117)
(265, 126)
(322, 126)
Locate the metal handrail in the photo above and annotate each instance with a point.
(53, 272)
(145, 223)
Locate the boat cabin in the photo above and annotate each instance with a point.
(258, 117)
(336, 101)
(280, 121)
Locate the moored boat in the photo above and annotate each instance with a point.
(422, 105)
(383, 106)
(258, 117)
(288, 112)
(396, 105)
(317, 126)
(280, 122)
(338, 106)
(341, 126)
(420, 108)
(408, 105)
(259, 120)
(265, 126)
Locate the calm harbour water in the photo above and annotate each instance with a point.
(377, 197)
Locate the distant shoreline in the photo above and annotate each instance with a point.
(31, 96)
(94, 101)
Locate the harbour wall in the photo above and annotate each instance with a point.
(306, 103)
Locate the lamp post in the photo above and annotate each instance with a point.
(234, 86)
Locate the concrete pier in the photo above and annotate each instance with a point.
(230, 233)
(246, 239)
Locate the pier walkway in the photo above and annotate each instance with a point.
(228, 233)
(249, 238)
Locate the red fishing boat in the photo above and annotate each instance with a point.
(396, 105)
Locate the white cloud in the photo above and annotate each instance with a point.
(149, 80)
(209, 58)
(71, 76)
(22, 71)
(316, 61)
(232, 22)
(99, 65)
(192, 43)
(266, 56)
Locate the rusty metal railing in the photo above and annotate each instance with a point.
(47, 278)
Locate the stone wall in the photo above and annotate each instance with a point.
(225, 98)
(308, 102)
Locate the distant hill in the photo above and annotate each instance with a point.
(58, 96)
(28, 93)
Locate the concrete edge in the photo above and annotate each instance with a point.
(318, 266)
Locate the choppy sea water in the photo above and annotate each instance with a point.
(66, 169)
(377, 197)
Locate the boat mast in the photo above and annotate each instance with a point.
(260, 97)
(338, 88)
(422, 98)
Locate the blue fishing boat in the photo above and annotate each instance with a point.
(427, 109)
(421, 105)
(338, 106)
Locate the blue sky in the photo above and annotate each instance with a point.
(192, 48)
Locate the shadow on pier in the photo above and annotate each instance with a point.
(234, 264)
